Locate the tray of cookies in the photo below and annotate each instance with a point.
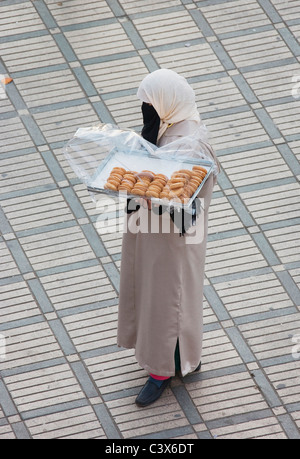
(168, 181)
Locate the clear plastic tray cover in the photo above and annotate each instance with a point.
(94, 151)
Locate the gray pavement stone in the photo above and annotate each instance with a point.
(4, 223)
(150, 62)
(94, 241)
(59, 276)
(53, 166)
(270, 10)
(85, 81)
(21, 431)
(216, 303)
(65, 48)
(33, 130)
(133, 34)
(6, 401)
(19, 256)
(40, 295)
(223, 56)
(107, 423)
(240, 345)
(290, 158)
(266, 249)
(245, 88)
(289, 426)
(103, 113)
(55, 408)
(62, 337)
(187, 405)
(268, 123)
(45, 14)
(202, 23)
(266, 388)
(116, 8)
(179, 432)
(290, 286)
(84, 379)
(290, 40)
(113, 274)
(14, 96)
(241, 210)
(74, 202)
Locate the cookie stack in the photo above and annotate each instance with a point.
(183, 184)
(180, 187)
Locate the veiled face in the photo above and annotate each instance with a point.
(171, 96)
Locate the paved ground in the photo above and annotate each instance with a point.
(62, 374)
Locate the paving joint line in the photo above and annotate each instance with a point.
(260, 239)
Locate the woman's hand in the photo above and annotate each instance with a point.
(146, 203)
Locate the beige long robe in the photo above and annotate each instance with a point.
(161, 286)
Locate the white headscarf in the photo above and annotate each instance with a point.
(171, 96)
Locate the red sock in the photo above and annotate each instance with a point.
(159, 378)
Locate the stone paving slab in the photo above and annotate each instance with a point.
(61, 372)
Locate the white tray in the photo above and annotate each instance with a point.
(138, 162)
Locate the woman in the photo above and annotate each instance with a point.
(162, 274)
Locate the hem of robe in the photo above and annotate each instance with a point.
(149, 369)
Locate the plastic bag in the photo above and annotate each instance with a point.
(90, 146)
(94, 151)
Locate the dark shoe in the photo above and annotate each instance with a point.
(151, 392)
(198, 368)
